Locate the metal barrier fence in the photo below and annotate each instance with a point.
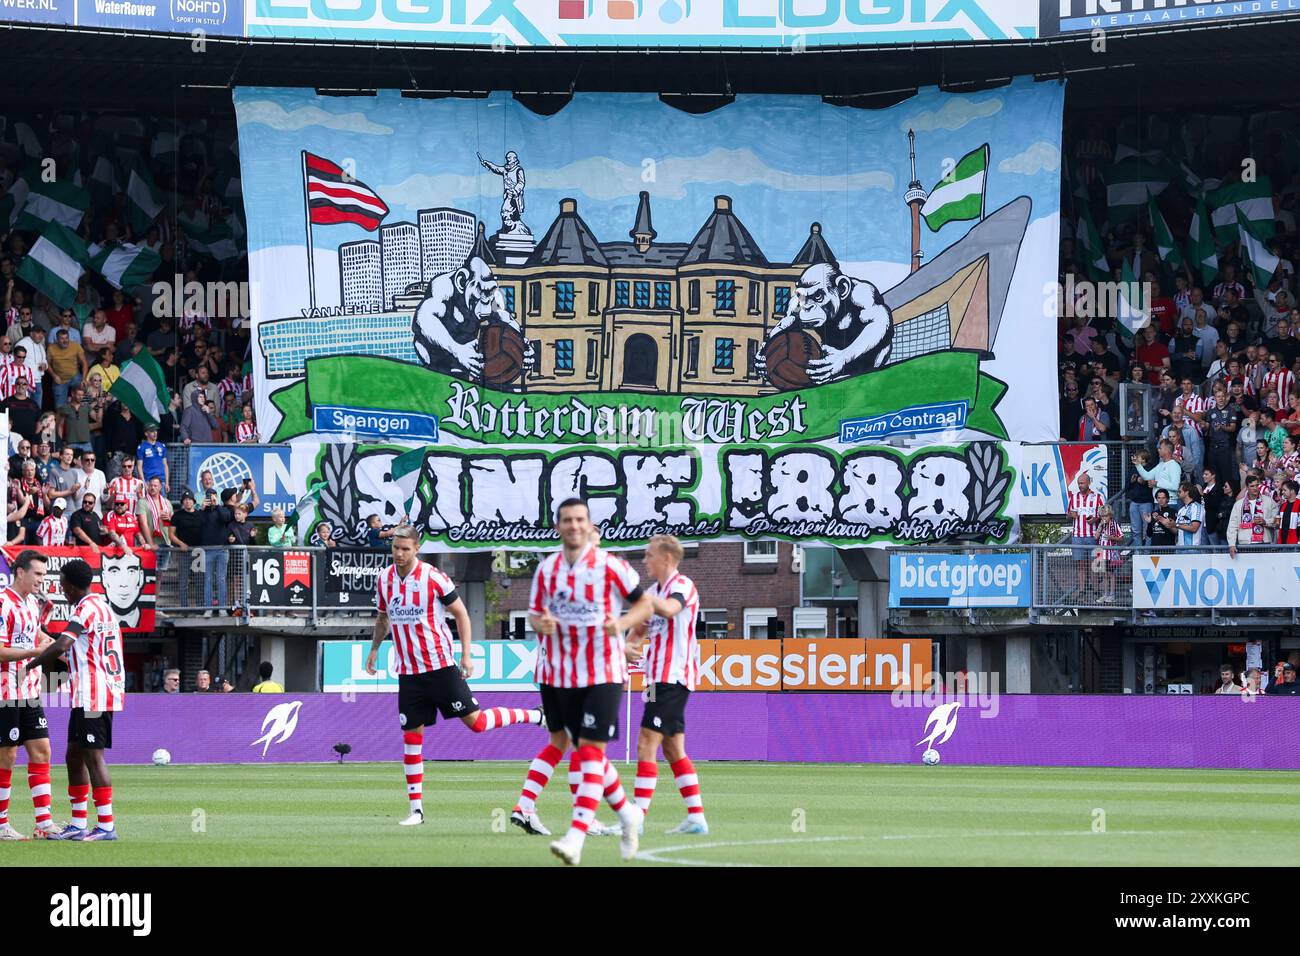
(1088, 577)
(264, 580)
(202, 580)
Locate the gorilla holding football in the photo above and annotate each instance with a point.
(849, 315)
(447, 322)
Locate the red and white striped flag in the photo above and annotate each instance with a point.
(333, 196)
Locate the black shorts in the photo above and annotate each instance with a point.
(665, 709)
(90, 732)
(587, 713)
(21, 721)
(421, 697)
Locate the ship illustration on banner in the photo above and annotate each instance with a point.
(643, 320)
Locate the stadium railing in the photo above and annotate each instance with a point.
(266, 581)
(185, 577)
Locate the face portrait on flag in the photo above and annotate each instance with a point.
(123, 580)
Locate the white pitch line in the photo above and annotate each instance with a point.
(656, 856)
(659, 855)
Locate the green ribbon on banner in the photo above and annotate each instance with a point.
(364, 383)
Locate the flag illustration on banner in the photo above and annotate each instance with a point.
(960, 194)
(142, 387)
(333, 196)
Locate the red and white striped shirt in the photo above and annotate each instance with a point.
(1280, 382)
(229, 386)
(159, 511)
(95, 657)
(20, 620)
(131, 488)
(246, 432)
(673, 655)
(1085, 508)
(1195, 404)
(417, 617)
(53, 531)
(580, 597)
(10, 375)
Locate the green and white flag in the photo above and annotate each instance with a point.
(144, 199)
(142, 387)
(123, 264)
(1262, 262)
(1133, 315)
(217, 241)
(1089, 241)
(103, 182)
(1201, 250)
(403, 465)
(55, 264)
(306, 501)
(960, 194)
(163, 147)
(1129, 150)
(1254, 202)
(57, 202)
(1166, 248)
(1129, 185)
(11, 204)
(26, 137)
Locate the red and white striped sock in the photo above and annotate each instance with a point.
(647, 774)
(413, 763)
(103, 807)
(539, 775)
(79, 797)
(689, 785)
(38, 779)
(6, 788)
(495, 717)
(575, 773)
(592, 765)
(614, 794)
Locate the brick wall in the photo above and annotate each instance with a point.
(723, 578)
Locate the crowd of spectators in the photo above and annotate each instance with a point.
(59, 362)
(1213, 383)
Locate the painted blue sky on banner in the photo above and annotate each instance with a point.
(786, 161)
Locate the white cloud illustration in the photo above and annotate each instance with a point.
(602, 179)
(1037, 157)
(953, 115)
(277, 117)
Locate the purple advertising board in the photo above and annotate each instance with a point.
(1061, 731)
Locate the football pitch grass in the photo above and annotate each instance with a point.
(759, 814)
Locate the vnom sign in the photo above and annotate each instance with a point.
(1251, 580)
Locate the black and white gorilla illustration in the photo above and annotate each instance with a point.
(850, 317)
(447, 322)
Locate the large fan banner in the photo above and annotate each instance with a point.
(692, 317)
